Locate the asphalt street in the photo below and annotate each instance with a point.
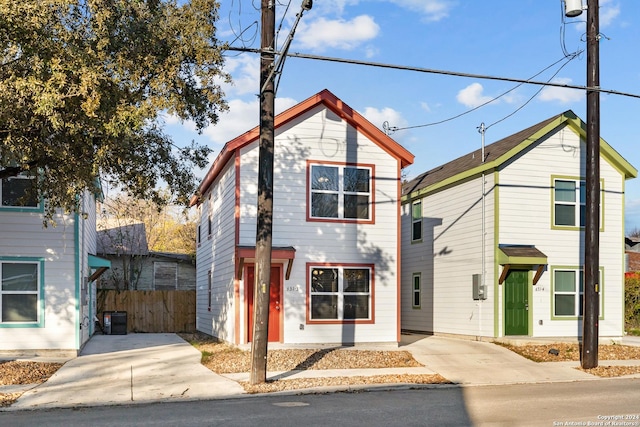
(551, 404)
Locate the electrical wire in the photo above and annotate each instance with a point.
(446, 72)
(564, 58)
(569, 59)
(284, 15)
(240, 31)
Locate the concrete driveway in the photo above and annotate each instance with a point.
(133, 368)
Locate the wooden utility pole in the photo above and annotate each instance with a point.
(265, 198)
(591, 310)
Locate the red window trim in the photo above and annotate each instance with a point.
(372, 200)
(372, 288)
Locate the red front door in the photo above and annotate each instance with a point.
(274, 301)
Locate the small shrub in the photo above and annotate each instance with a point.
(632, 301)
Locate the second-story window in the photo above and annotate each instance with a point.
(416, 221)
(569, 200)
(340, 192)
(18, 191)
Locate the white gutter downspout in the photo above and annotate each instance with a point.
(482, 130)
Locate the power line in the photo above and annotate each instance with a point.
(445, 72)
(569, 58)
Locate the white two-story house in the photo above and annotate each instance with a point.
(336, 220)
(494, 247)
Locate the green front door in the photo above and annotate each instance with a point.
(516, 303)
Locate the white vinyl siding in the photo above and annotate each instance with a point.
(526, 206)
(320, 136)
(23, 238)
(215, 258)
(447, 258)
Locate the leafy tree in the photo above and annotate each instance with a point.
(84, 85)
(130, 228)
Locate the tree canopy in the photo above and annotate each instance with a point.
(84, 85)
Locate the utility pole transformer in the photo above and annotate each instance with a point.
(265, 198)
(592, 220)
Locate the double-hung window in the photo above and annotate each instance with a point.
(19, 192)
(20, 292)
(340, 293)
(417, 291)
(416, 221)
(340, 192)
(568, 292)
(569, 201)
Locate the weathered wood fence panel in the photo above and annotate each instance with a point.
(151, 311)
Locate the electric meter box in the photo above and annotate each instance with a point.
(479, 290)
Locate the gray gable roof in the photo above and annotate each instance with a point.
(502, 151)
(469, 161)
(123, 240)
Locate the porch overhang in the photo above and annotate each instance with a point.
(521, 256)
(278, 253)
(100, 265)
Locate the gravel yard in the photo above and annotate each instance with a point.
(571, 352)
(224, 359)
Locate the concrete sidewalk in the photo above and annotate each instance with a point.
(128, 369)
(144, 368)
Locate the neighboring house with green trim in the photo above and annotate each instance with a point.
(47, 275)
(517, 217)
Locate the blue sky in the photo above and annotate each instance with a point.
(493, 37)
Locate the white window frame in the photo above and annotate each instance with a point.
(340, 293)
(578, 292)
(415, 221)
(578, 203)
(416, 290)
(39, 264)
(340, 192)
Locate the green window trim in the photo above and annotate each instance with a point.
(416, 221)
(39, 262)
(416, 290)
(562, 287)
(19, 191)
(569, 192)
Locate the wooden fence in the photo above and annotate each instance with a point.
(151, 311)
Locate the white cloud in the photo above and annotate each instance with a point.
(609, 10)
(471, 96)
(245, 72)
(241, 117)
(433, 10)
(559, 94)
(339, 34)
(379, 117)
(425, 107)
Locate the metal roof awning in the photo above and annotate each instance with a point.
(100, 265)
(521, 256)
(278, 253)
